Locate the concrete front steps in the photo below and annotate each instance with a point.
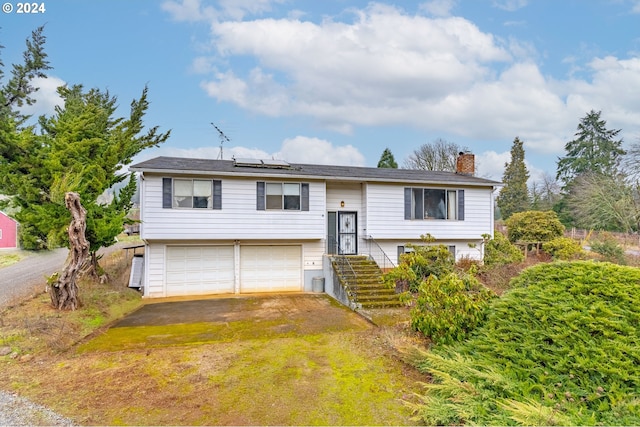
(368, 291)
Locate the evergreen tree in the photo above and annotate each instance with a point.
(16, 93)
(514, 196)
(594, 150)
(387, 160)
(81, 148)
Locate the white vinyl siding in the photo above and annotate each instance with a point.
(237, 220)
(386, 213)
(270, 268)
(462, 248)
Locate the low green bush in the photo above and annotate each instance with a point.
(534, 226)
(607, 246)
(423, 261)
(448, 308)
(561, 348)
(499, 251)
(563, 248)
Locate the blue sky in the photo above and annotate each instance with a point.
(337, 81)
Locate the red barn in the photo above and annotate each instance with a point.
(8, 232)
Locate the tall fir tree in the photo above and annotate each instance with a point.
(595, 149)
(514, 196)
(387, 160)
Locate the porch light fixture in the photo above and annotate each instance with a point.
(342, 204)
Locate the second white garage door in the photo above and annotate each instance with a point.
(270, 268)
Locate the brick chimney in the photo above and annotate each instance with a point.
(466, 164)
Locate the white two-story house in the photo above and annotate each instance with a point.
(246, 226)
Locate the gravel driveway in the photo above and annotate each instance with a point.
(17, 282)
(16, 411)
(23, 278)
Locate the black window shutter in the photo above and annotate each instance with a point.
(217, 194)
(407, 203)
(166, 193)
(304, 197)
(460, 205)
(260, 196)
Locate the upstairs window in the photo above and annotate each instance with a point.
(290, 196)
(191, 193)
(434, 203)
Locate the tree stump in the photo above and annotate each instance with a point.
(64, 291)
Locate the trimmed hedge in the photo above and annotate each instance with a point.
(561, 348)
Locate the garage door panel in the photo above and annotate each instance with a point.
(197, 270)
(270, 268)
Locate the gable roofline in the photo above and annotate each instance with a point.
(7, 215)
(190, 166)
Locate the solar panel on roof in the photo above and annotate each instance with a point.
(247, 162)
(276, 163)
(257, 163)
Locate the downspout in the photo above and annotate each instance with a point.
(145, 268)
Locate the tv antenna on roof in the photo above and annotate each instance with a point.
(223, 138)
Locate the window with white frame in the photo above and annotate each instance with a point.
(192, 193)
(185, 193)
(434, 203)
(293, 196)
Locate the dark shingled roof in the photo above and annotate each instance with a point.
(179, 165)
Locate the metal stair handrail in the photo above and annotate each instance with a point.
(378, 254)
(343, 267)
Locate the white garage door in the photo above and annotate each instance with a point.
(270, 268)
(199, 270)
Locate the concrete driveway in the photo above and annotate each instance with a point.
(297, 314)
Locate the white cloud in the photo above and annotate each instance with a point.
(490, 164)
(300, 149)
(46, 97)
(371, 71)
(510, 5)
(382, 66)
(439, 8)
(189, 10)
(194, 11)
(237, 9)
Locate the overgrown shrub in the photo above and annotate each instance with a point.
(561, 348)
(609, 248)
(534, 226)
(499, 251)
(563, 248)
(448, 308)
(422, 262)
